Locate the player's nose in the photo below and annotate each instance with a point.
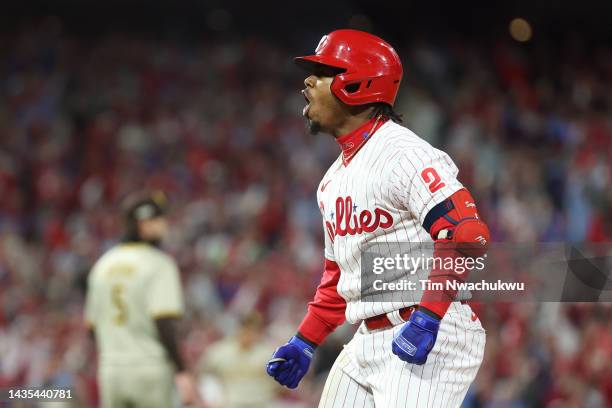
(310, 81)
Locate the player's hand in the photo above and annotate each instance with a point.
(188, 390)
(290, 362)
(416, 338)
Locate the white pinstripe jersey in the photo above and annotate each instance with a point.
(381, 196)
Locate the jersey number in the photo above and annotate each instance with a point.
(432, 178)
(119, 303)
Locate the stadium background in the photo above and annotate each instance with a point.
(201, 100)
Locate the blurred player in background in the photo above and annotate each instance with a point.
(386, 186)
(236, 362)
(134, 302)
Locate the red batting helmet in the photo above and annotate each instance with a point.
(368, 63)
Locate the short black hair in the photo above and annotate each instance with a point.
(386, 110)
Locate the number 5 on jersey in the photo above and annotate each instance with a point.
(432, 179)
(119, 303)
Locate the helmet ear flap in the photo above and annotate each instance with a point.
(345, 87)
(352, 89)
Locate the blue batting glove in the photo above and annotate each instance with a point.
(290, 362)
(416, 338)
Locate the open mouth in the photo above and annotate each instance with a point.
(307, 107)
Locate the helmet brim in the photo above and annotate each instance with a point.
(311, 63)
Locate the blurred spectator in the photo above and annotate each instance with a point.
(237, 361)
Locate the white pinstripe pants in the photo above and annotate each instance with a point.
(368, 374)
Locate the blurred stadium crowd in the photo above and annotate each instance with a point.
(217, 126)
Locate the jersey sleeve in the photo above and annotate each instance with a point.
(165, 295)
(327, 310)
(421, 178)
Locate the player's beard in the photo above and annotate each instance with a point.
(313, 127)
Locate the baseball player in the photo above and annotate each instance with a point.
(134, 300)
(387, 186)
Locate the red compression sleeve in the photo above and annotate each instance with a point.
(326, 310)
(435, 300)
(469, 237)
